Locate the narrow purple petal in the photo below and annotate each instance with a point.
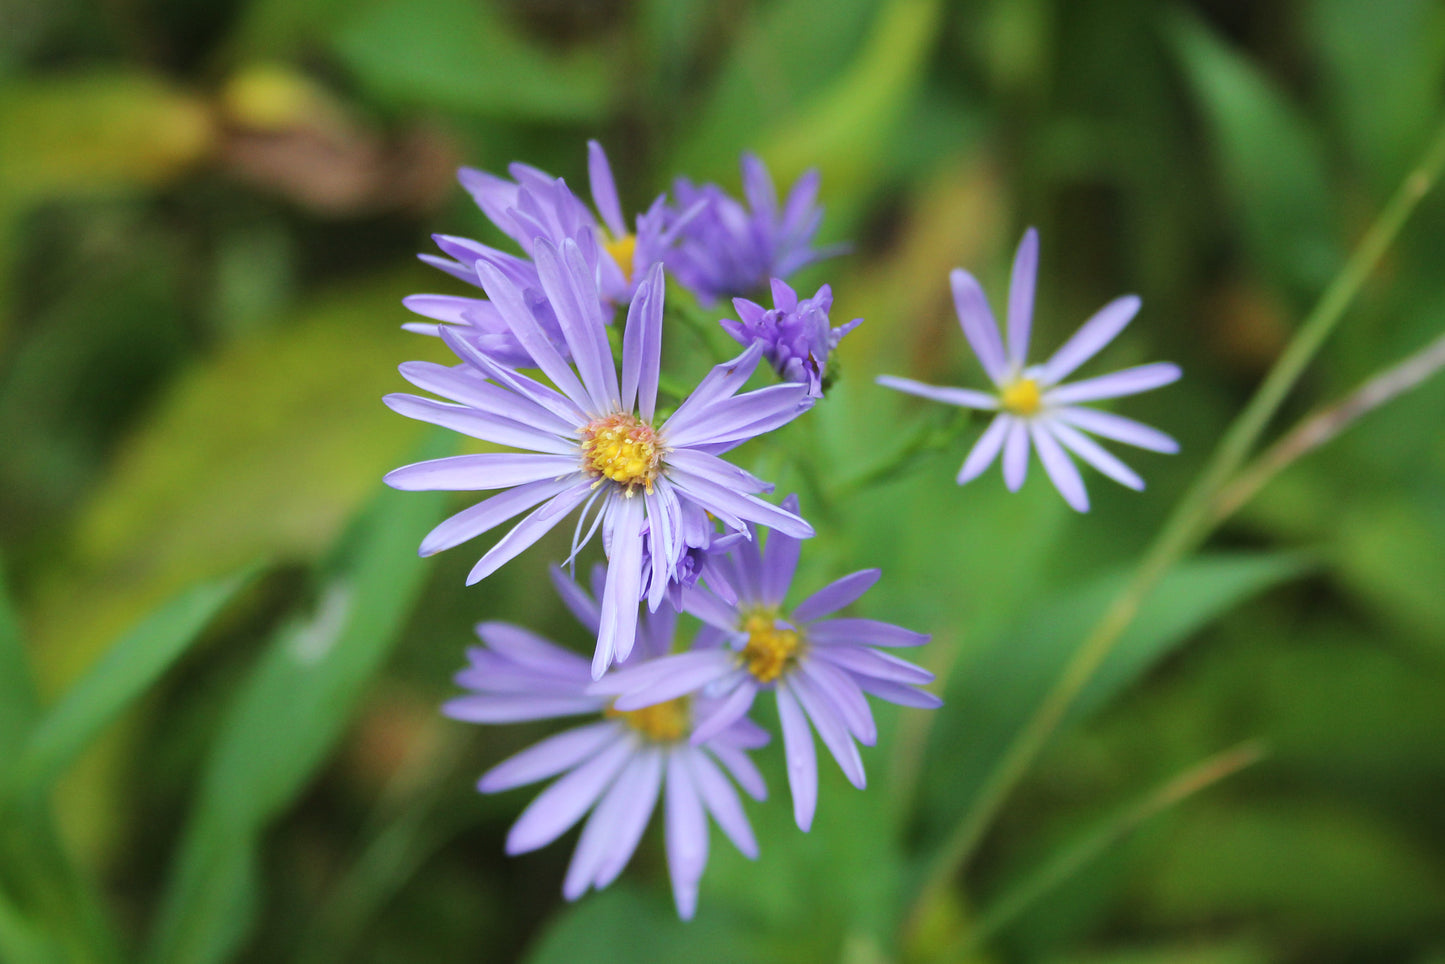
(686, 832)
(663, 511)
(492, 470)
(862, 661)
(979, 327)
(1119, 429)
(1090, 339)
(802, 762)
(711, 610)
(559, 752)
(576, 599)
(464, 384)
(1021, 298)
(624, 584)
(521, 322)
(563, 803)
(1061, 468)
(899, 693)
(741, 417)
(642, 345)
(829, 727)
(564, 409)
(728, 712)
(722, 802)
(714, 469)
(844, 696)
(614, 813)
(986, 449)
(758, 184)
(687, 672)
(1096, 455)
(604, 189)
(836, 595)
(780, 561)
(576, 318)
(741, 767)
(644, 778)
(448, 308)
(1130, 381)
(1016, 455)
(965, 397)
(479, 425)
(863, 632)
(528, 531)
(725, 503)
(722, 381)
(514, 709)
(489, 513)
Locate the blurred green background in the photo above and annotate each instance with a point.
(208, 217)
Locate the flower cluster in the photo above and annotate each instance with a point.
(576, 420)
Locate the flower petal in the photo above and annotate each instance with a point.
(728, 712)
(780, 562)
(563, 803)
(642, 345)
(686, 673)
(1016, 455)
(722, 802)
(1118, 428)
(1130, 381)
(727, 504)
(491, 470)
(863, 632)
(829, 725)
(1021, 298)
(1090, 339)
(478, 424)
(686, 832)
(614, 812)
(514, 709)
(644, 778)
(965, 397)
(623, 589)
(979, 327)
(836, 595)
(862, 661)
(528, 531)
(741, 767)
(1096, 455)
(489, 513)
(559, 752)
(604, 189)
(1061, 468)
(801, 758)
(986, 449)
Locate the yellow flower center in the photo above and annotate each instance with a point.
(1021, 397)
(623, 250)
(661, 723)
(770, 649)
(622, 448)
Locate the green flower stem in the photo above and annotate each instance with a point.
(1191, 522)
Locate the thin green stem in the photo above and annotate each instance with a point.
(1189, 524)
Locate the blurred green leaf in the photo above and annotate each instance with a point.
(19, 703)
(1213, 951)
(1383, 76)
(619, 925)
(124, 674)
(96, 133)
(461, 56)
(993, 695)
(287, 718)
(1321, 871)
(21, 942)
(1269, 157)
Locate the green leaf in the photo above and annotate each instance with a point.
(456, 55)
(1271, 162)
(993, 695)
(128, 669)
(19, 704)
(21, 942)
(620, 926)
(287, 718)
(97, 134)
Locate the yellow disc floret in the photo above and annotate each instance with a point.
(1021, 397)
(771, 649)
(661, 723)
(623, 250)
(622, 448)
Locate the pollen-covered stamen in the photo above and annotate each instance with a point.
(622, 448)
(623, 251)
(1021, 397)
(660, 723)
(771, 649)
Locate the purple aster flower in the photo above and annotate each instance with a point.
(795, 335)
(535, 206)
(728, 248)
(1033, 406)
(589, 441)
(617, 766)
(819, 668)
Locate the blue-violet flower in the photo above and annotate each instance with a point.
(796, 335)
